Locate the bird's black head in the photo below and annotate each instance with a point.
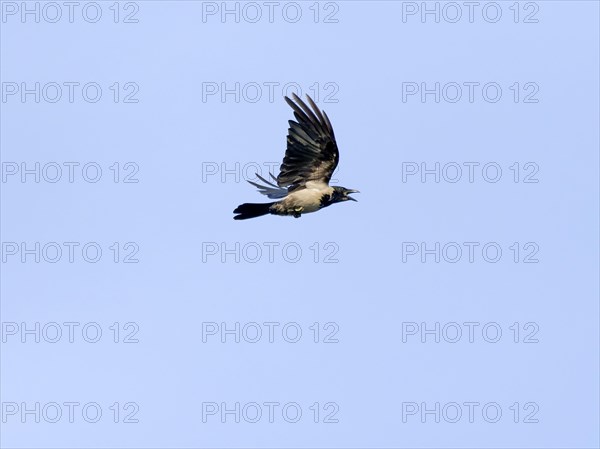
(342, 194)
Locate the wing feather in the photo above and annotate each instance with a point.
(269, 189)
(312, 153)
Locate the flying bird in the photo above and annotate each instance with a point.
(310, 159)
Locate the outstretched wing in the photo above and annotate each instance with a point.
(269, 189)
(312, 153)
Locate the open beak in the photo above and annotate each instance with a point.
(352, 191)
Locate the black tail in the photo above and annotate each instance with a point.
(251, 210)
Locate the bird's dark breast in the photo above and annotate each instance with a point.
(325, 200)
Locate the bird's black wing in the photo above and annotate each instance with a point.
(312, 153)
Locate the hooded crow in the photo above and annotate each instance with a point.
(310, 159)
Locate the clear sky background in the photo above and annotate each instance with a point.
(365, 272)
